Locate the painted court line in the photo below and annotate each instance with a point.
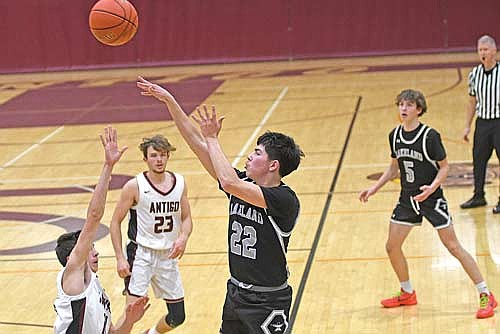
(96, 177)
(90, 190)
(257, 130)
(31, 148)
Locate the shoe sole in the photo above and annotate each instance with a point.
(402, 304)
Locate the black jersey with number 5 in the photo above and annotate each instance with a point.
(258, 237)
(418, 152)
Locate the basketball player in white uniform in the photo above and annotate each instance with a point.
(81, 304)
(159, 227)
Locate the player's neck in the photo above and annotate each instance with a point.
(155, 177)
(269, 180)
(410, 125)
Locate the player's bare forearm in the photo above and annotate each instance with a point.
(186, 228)
(116, 237)
(191, 135)
(228, 178)
(441, 175)
(128, 197)
(389, 174)
(95, 212)
(186, 220)
(223, 169)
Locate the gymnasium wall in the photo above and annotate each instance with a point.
(41, 35)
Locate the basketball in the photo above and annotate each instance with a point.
(113, 22)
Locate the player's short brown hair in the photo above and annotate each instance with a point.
(158, 142)
(413, 96)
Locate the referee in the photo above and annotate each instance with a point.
(484, 101)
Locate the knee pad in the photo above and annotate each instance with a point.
(176, 314)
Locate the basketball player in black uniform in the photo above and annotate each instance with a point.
(262, 213)
(418, 153)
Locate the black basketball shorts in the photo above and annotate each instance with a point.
(410, 212)
(250, 312)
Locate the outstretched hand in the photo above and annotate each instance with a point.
(210, 125)
(152, 89)
(136, 310)
(109, 141)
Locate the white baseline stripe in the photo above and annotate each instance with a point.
(53, 220)
(259, 127)
(32, 147)
(90, 190)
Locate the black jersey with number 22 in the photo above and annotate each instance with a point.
(258, 237)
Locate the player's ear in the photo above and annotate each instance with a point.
(274, 165)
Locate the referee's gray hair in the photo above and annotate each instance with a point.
(487, 39)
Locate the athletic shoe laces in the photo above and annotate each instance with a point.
(398, 294)
(483, 301)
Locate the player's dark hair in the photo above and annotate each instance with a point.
(158, 142)
(65, 244)
(413, 96)
(282, 148)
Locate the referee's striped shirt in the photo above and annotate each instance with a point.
(485, 86)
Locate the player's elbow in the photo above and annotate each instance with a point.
(229, 184)
(95, 215)
(393, 173)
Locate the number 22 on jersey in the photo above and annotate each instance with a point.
(242, 240)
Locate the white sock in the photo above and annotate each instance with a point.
(482, 287)
(153, 331)
(406, 286)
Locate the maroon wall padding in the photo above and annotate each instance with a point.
(40, 35)
(471, 20)
(361, 26)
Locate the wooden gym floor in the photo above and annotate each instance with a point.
(340, 111)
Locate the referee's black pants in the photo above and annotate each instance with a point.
(486, 138)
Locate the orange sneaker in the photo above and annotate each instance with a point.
(487, 304)
(400, 299)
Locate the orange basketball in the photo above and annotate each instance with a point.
(113, 22)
